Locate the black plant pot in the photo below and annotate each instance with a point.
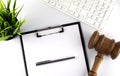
(11, 38)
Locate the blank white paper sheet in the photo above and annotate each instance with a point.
(55, 46)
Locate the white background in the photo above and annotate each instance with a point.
(39, 15)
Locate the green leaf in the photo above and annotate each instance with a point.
(5, 37)
(5, 24)
(3, 15)
(5, 29)
(19, 11)
(14, 4)
(1, 19)
(1, 5)
(8, 5)
(19, 33)
(2, 34)
(13, 16)
(0, 25)
(9, 24)
(4, 5)
(18, 28)
(16, 24)
(13, 12)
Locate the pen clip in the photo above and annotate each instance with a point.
(50, 31)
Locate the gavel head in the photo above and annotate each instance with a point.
(104, 45)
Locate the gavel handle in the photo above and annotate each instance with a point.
(97, 62)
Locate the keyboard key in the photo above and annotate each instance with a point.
(76, 14)
(92, 12)
(106, 15)
(94, 17)
(58, 6)
(89, 15)
(52, 3)
(99, 19)
(96, 24)
(46, 0)
(90, 21)
(105, 6)
(76, 2)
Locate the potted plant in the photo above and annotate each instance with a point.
(9, 23)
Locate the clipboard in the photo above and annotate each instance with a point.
(53, 43)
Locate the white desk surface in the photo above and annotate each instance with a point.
(39, 15)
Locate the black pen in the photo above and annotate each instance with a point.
(53, 61)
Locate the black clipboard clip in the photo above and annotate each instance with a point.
(50, 31)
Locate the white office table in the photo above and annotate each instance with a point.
(39, 15)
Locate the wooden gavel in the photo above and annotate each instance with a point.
(103, 46)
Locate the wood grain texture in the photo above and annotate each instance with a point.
(103, 46)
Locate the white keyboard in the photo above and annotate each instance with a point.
(92, 12)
